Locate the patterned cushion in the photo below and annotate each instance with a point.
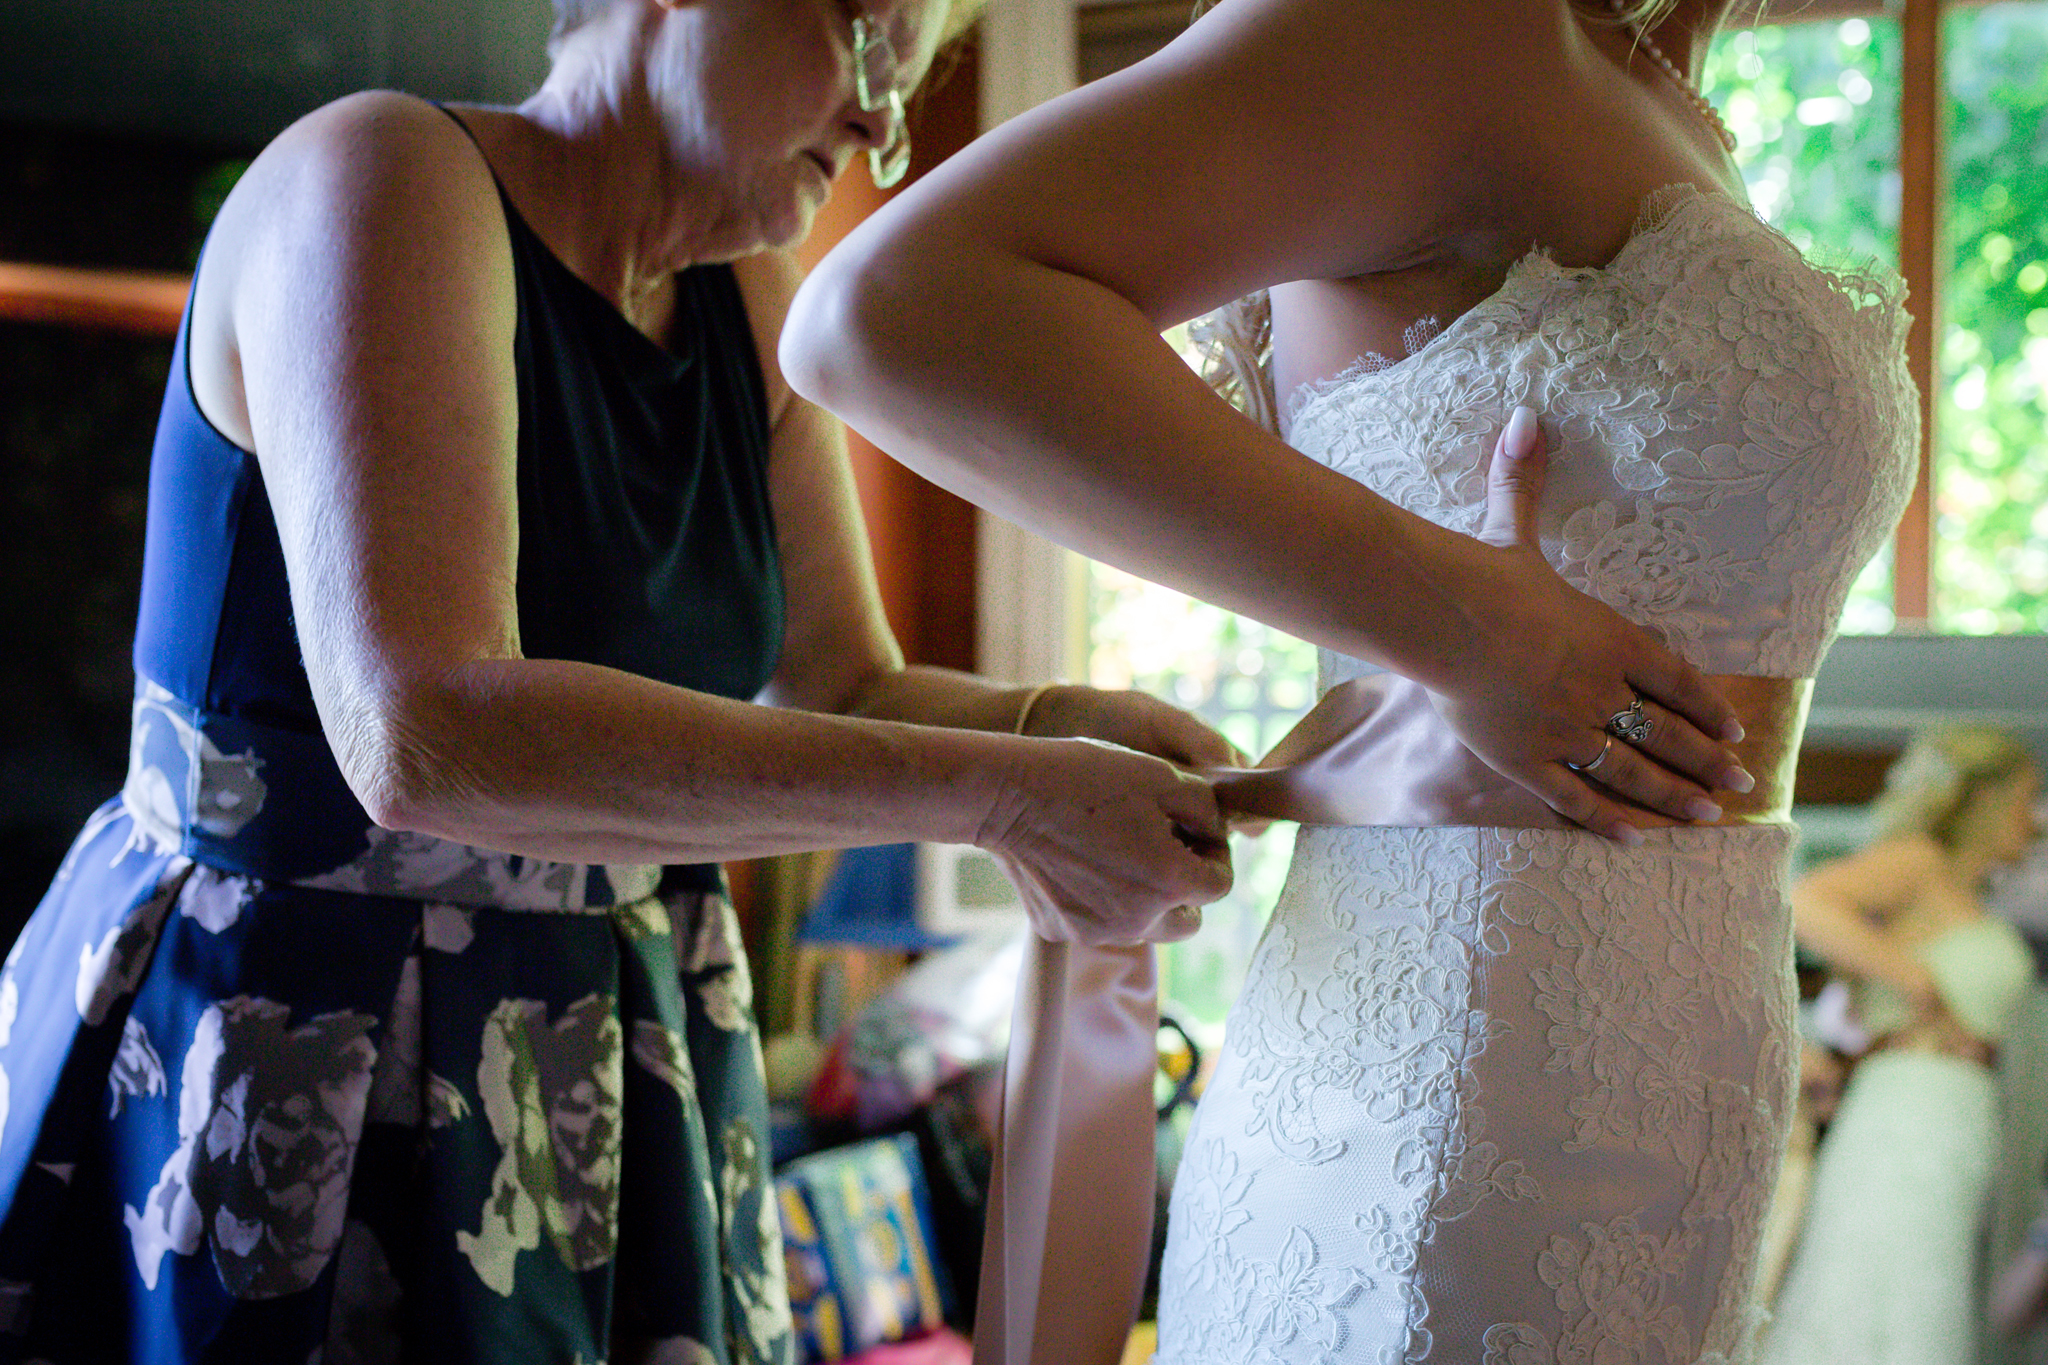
(857, 1232)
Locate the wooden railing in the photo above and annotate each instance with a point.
(143, 302)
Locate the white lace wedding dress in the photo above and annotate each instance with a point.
(1502, 1095)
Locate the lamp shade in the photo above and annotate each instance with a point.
(871, 902)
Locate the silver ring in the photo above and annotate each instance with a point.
(1629, 724)
(1606, 745)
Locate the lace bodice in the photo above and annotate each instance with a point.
(1732, 430)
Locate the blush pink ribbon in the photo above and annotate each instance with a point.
(1071, 1198)
(1071, 1193)
(1070, 1211)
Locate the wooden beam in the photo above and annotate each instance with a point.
(1920, 219)
(112, 300)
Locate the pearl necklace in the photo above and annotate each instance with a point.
(1678, 77)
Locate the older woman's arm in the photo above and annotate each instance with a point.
(996, 328)
(366, 273)
(839, 654)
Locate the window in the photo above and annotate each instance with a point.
(1922, 140)
(1990, 556)
(1251, 682)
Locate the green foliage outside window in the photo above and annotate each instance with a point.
(1815, 107)
(1991, 474)
(1251, 682)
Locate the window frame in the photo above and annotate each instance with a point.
(146, 303)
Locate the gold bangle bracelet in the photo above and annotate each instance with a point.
(1030, 701)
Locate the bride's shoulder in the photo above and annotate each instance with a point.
(1462, 48)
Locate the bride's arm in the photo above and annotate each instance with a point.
(1842, 911)
(996, 328)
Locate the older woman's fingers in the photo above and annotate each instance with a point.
(1192, 743)
(1182, 921)
(1135, 721)
(1197, 818)
(1514, 482)
(1205, 873)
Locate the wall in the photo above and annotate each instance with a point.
(77, 416)
(923, 536)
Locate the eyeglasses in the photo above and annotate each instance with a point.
(874, 84)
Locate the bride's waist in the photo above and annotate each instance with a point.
(1390, 759)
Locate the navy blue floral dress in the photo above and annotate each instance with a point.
(278, 1085)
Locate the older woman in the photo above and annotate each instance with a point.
(366, 1021)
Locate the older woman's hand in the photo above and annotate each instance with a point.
(1134, 720)
(1107, 845)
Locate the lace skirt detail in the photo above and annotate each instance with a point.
(1494, 1095)
(1886, 1272)
(272, 1123)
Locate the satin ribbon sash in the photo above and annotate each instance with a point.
(1071, 1197)
(1374, 751)
(1072, 1186)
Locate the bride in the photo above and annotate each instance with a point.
(1886, 1271)
(1510, 1077)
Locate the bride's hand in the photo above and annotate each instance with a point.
(1107, 845)
(1545, 666)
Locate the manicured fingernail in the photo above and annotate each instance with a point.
(1738, 780)
(1699, 808)
(1520, 437)
(1733, 732)
(1629, 835)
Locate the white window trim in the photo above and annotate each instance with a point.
(1031, 595)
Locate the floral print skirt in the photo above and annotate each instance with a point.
(262, 1122)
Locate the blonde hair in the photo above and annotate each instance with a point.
(1933, 785)
(1642, 15)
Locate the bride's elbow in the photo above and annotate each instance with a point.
(822, 334)
(864, 315)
